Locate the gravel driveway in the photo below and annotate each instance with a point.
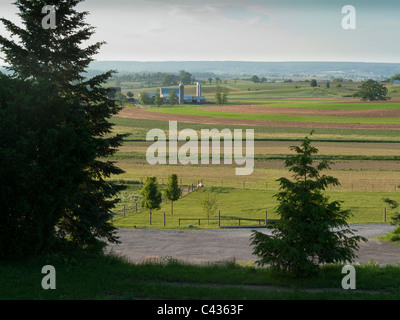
(200, 246)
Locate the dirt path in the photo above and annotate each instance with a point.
(201, 246)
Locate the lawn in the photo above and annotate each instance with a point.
(83, 275)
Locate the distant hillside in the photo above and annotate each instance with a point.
(204, 69)
(242, 68)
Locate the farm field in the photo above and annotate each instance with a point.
(360, 138)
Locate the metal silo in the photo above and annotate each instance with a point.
(198, 89)
(181, 93)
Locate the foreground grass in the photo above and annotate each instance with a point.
(83, 276)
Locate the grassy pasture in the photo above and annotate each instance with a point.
(236, 203)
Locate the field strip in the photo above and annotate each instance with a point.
(278, 117)
(263, 109)
(185, 118)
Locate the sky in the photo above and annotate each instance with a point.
(237, 30)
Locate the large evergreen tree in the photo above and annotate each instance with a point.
(59, 57)
(44, 148)
(311, 230)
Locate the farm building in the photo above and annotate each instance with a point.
(183, 98)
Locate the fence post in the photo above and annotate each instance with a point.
(384, 214)
(150, 217)
(219, 218)
(164, 218)
(136, 207)
(266, 217)
(124, 211)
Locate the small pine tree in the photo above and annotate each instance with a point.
(152, 197)
(394, 205)
(172, 192)
(311, 230)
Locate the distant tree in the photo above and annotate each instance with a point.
(372, 91)
(172, 191)
(328, 85)
(210, 80)
(169, 80)
(209, 203)
(218, 80)
(221, 95)
(173, 98)
(158, 100)
(395, 77)
(130, 94)
(255, 79)
(186, 77)
(311, 230)
(264, 79)
(313, 83)
(151, 195)
(144, 98)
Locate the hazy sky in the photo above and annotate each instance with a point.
(251, 30)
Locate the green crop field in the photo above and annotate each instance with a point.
(195, 111)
